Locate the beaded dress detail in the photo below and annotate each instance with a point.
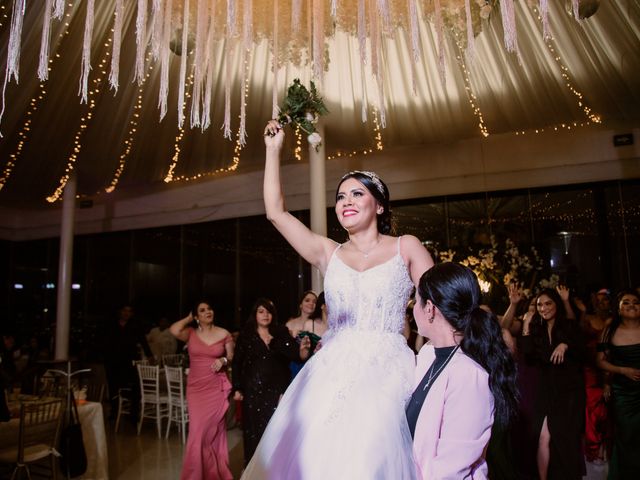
(343, 415)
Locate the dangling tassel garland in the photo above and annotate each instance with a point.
(164, 58)
(198, 63)
(43, 65)
(183, 63)
(318, 39)
(117, 41)
(296, 13)
(157, 27)
(544, 12)
(471, 42)
(141, 41)
(86, 53)
(58, 9)
(508, 14)
(274, 66)
(440, 34)
(206, 107)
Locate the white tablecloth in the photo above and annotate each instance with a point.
(95, 441)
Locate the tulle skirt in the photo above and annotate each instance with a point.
(343, 415)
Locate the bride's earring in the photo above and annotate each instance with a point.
(199, 327)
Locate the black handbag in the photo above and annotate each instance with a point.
(73, 457)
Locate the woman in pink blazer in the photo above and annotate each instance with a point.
(465, 378)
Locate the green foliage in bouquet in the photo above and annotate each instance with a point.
(302, 108)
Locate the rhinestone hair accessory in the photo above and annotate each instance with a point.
(371, 176)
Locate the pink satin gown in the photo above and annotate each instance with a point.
(207, 455)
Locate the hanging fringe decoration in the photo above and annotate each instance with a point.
(414, 33)
(385, 14)
(43, 65)
(471, 41)
(199, 67)
(296, 13)
(164, 58)
(508, 14)
(58, 9)
(363, 108)
(206, 106)
(440, 36)
(544, 12)
(318, 39)
(117, 42)
(86, 52)
(274, 66)
(362, 47)
(141, 41)
(376, 59)
(576, 9)
(157, 27)
(247, 21)
(362, 32)
(226, 126)
(183, 63)
(334, 8)
(15, 36)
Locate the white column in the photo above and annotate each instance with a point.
(318, 199)
(64, 270)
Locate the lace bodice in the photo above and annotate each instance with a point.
(373, 300)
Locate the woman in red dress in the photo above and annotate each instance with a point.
(210, 351)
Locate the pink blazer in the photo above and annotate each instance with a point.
(454, 425)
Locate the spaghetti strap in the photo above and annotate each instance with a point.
(399, 244)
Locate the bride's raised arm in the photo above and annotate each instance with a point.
(315, 249)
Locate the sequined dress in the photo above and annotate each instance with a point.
(343, 415)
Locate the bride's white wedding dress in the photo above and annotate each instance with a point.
(343, 415)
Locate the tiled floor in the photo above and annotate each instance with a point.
(146, 457)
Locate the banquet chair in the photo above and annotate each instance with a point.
(174, 360)
(152, 404)
(177, 401)
(124, 404)
(38, 433)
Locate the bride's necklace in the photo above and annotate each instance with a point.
(366, 254)
(434, 375)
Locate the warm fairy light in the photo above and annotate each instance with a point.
(564, 72)
(77, 140)
(176, 146)
(236, 150)
(128, 143)
(23, 135)
(377, 135)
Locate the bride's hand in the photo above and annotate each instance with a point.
(273, 135)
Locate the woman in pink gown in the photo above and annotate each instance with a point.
(210, 351)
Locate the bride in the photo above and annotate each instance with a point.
(343, 415)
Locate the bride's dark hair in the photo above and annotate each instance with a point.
(454, 289)
(380, 192)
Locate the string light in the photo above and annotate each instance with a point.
(564, 72)
(377, 132)
(84, 123)
(133, 126)
(23, 135)
(471, 97)
(235, 161)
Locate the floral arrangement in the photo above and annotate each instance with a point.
(500, 264)
(302, 108)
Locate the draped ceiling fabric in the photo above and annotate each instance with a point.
(588, 71)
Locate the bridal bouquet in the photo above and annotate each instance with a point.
(302, 108)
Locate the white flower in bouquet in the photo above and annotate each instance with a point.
(314, 139)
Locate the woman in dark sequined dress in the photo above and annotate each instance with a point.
(261, 369)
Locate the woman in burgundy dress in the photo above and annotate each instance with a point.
(210, 351)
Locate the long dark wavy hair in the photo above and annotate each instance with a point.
(251, 325)
(454, 289)
(385, 219)
(320, 302)
(617, 319)
(561, 326)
